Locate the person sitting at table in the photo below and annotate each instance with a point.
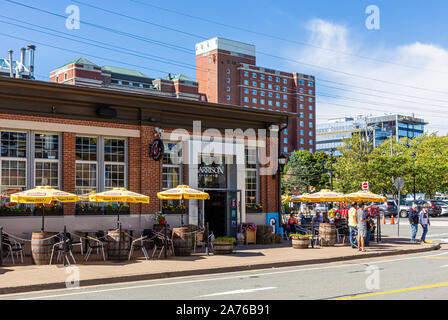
(302, 219)
(317, 218)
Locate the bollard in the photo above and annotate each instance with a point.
(1, 246)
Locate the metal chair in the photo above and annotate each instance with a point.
(159, 242)
(95, 243)
(64, 248)
(148, 235)
(12, 246)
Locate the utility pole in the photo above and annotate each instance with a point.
(331, 168)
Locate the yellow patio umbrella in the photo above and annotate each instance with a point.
(119, 195)
(365, 196)
(299, 198)
(85, 197)
(43, 195)
(182, 192)
(324, 196)
(286, 198)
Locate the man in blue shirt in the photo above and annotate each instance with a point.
(413, 221)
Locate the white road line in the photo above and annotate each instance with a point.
(444, 266)
(237, 292)
(212, 279)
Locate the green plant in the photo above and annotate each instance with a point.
(160, 217)
(224, 239)
(300, 236)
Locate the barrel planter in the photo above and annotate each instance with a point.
(327, 234)
(182, 241)
(116, 249)
(41, 247)
(301, 243)
(222, 247)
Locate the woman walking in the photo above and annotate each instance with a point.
(424, 221)
(362, 226)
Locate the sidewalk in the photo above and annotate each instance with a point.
(23, 278)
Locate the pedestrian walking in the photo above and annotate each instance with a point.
(424, 221)
(414, 218)
(362, 226)
(352, 224)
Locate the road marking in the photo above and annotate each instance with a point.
(237, 292)
(444, 266)
(442, 284)
(206, 280)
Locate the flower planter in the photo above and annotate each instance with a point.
(223, 247)
(301, 243)
(251, 236)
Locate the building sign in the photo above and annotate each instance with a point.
(212, 176)
(156, 149)
(365, 186)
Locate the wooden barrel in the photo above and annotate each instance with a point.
(117, 250)
(327, 234)
(303, 243)
(222, 247)
(41, 247)
(182, 241)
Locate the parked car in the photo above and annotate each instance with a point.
(444, 208)
(388, 208)
(435, 207)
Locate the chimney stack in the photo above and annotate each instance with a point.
(11, 72)
(31, 48)
(22, 57)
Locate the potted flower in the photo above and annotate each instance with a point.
(300, 241)
(250, 232)
(223, 245)
(254, 208)
(161, 219)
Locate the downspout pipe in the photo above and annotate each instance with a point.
(279, 174)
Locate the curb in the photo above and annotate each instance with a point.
(164, 275)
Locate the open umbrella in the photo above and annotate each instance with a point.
(182, 192)
(365, 196)
(299, 198)
(43, 195)
(119, 195)
(286, 198)
(324, 196)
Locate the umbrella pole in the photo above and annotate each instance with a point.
(43, 218)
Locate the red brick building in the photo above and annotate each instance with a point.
(81, 139)
(82, 72)
(227, 73)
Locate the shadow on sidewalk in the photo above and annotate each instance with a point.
(4, 270)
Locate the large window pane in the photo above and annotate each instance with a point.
(47, 174)
(114, 150)
(171, 177)
(13, 144)
(86, 177)
(114, 176)
(86, 148)
(13, 174)
(47, 146)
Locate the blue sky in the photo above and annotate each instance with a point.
(411, 37)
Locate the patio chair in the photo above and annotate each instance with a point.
(147, 236)
(63, 248)
(11, 247)
(159, 242)
(96, 243)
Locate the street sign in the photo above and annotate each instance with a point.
(399, 183)
(365, 186)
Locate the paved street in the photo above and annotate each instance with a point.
(417, 276)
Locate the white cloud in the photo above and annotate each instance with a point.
(430, 72)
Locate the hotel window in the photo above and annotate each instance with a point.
(254, 75)
(114, 163)
(262, 76)
(254, 100)
(254, 83)
(310, 84)
(310, 99)
(301, 132)
(285, 149)
(311, 133)
(269, 78)
(301, 106)
(310, 108)
(301, 90)
(285, 97)
(228, 80)
(251, 176)
(209, 59)
(301, 115)
(310, 124)
(262, 101)
(285, 81)
(46, 159)
(254, 92)
(65, 76)
(86, 164)
(277, 87)
(285, 105)
(246, 99)
(301, 82)
(277, 79)
(246, 90)
(285, 89)
(228, 71)
(301, 123)
(172, 165)
(246, 82)
(228, 89)
(270, 102)
(277, 104)
(310, 142)
(262, 85)
(269, 86)
(310, 116)
(228, 98)
(301, 141)
(310, 91)
(262, 93)
(277, 95)
(301, 98)
(285, 140)
(246, 74)
(285, 131)
(13, 160)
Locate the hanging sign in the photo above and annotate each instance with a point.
(156, 149)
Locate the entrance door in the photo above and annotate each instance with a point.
(215, 212)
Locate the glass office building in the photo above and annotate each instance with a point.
(330, 135)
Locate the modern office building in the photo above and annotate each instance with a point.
(82, 72)
(378, 129)
(227, 73)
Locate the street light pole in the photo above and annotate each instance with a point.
(331, 169)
